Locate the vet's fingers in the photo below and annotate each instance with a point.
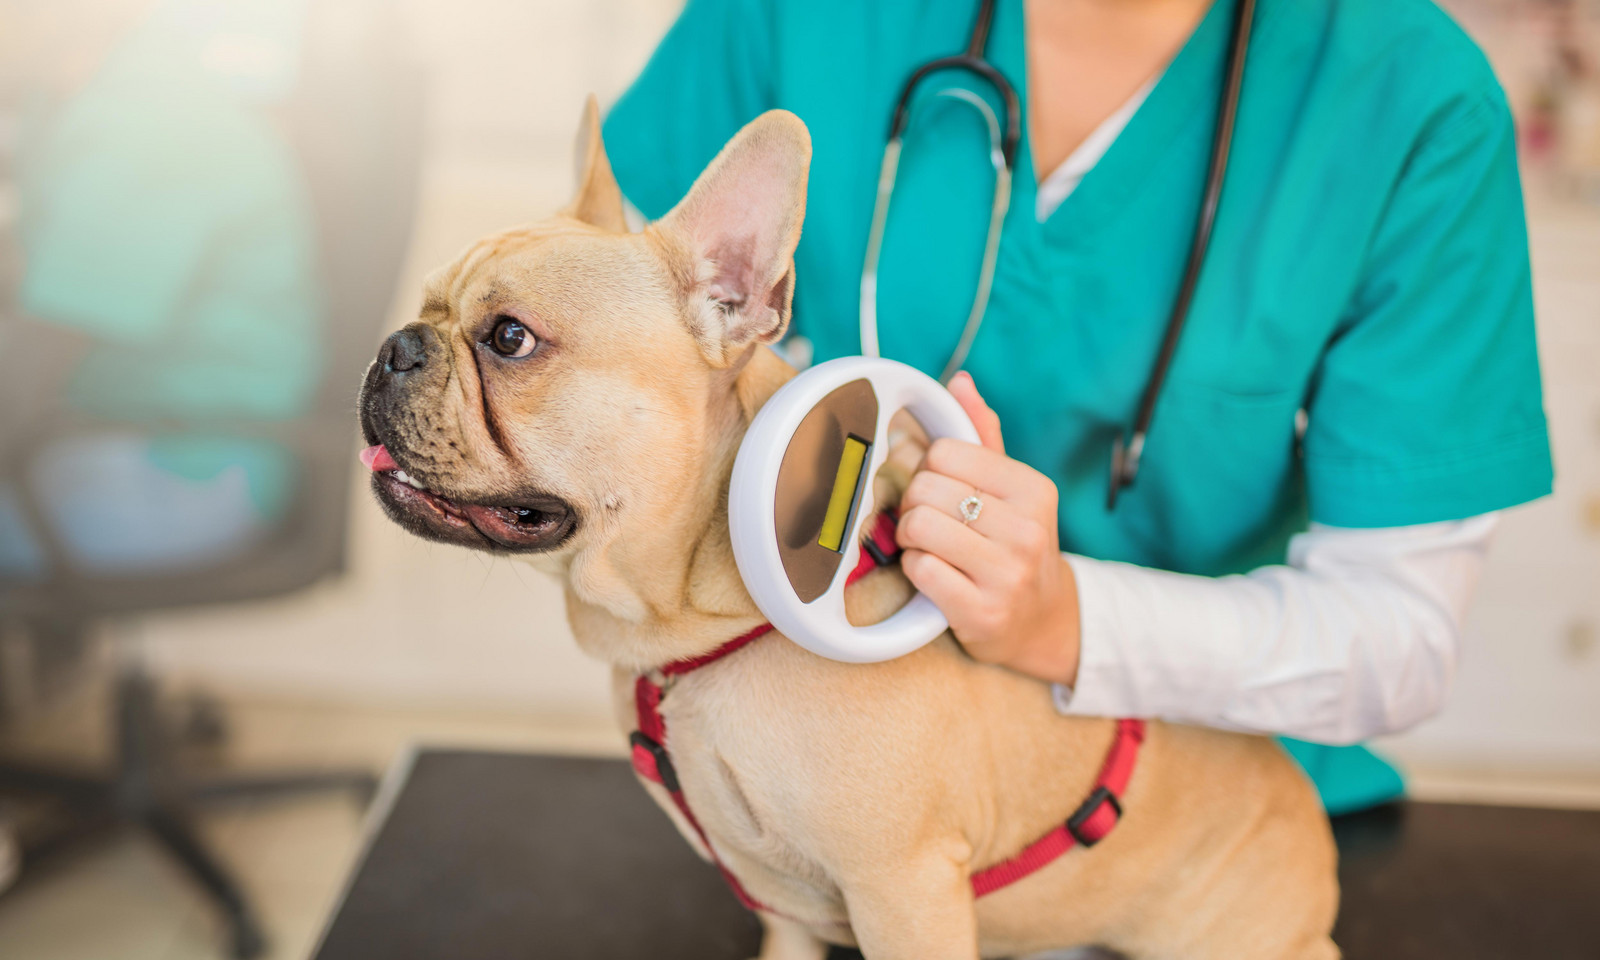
(950, 590)
(965, 390)
(991, 472)
(934, 531)
(998, 520)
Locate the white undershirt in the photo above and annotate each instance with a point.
(1356, 637)
(1064, 179)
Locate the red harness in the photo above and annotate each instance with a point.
(1093, 820)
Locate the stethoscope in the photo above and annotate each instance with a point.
(1127, 448)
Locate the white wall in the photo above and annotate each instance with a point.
(429, 625)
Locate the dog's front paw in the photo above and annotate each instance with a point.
(907, 444)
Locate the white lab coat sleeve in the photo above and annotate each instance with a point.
(1356, 637)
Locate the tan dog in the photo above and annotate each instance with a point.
(577, 393)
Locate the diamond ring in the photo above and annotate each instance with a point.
(971, 508)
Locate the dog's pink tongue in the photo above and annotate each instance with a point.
(377, 459)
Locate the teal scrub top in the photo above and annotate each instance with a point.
(1369, 267)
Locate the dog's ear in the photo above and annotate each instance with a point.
(739, 226)
(599, 199)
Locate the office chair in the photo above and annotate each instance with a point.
(354, 122)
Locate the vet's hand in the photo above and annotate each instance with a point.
(1000, 578)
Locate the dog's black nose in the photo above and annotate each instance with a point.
(403, 351)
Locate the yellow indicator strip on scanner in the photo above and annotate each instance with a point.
(845, 483)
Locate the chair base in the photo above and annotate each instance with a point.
(144, 790)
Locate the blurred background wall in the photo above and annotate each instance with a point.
(417, 626)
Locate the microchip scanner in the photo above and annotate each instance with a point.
(802, 486)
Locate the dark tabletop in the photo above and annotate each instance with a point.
(497, 856)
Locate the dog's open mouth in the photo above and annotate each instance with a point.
(533, 523)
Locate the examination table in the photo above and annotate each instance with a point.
(502, 856)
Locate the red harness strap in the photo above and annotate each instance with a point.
(650, 759)
(1095, 817)
(1093, 820)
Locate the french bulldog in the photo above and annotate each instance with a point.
(574, 393)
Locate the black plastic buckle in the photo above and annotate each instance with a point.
(664, 769)
(1090, 807)
(876, 552)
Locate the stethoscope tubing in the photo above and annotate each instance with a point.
(981, 68)
(1000, 204)
(1127, 448)
(1126, 456)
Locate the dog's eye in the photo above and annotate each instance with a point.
(511, 339)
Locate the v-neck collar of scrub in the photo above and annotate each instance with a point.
(1193, 76)
(1055, 187)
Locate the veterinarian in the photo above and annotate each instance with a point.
(1354, 395)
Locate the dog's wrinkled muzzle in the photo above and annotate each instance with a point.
(402, 387)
